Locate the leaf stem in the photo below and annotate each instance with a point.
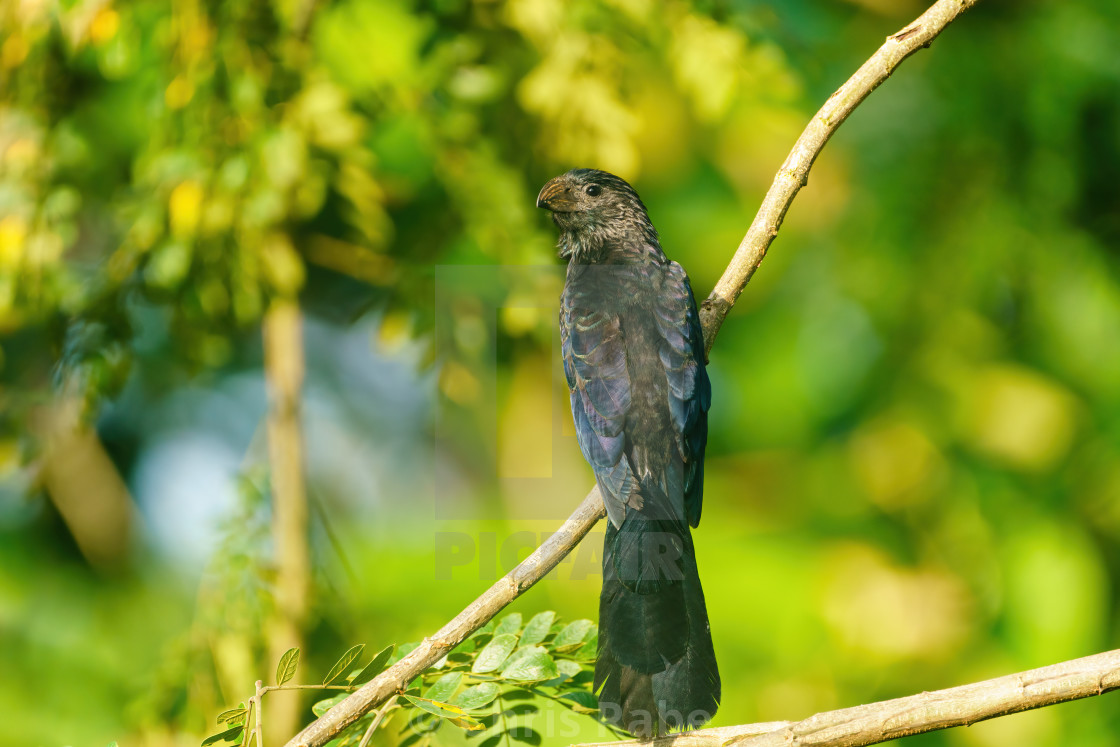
(259, 728)
(377, 721)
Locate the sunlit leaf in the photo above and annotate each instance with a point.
(229, 735)
(468, 723)
(286, 669)
(478, 696)
(443, 710)
(568, 668)
(495, 652)
(231, 714)
(573, 633)
(375, 666)
(323, 706)
(536, 630)
(590, 648)
(509, 624)
(531, 663)
(402, 650)
(444, 687)
(341, 665)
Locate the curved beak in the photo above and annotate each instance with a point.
(557, 196)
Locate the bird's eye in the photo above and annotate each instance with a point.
(594, 190)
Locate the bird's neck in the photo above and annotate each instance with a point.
(619, 243)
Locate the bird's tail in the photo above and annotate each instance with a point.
(656, 666)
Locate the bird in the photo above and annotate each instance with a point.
(634, 360)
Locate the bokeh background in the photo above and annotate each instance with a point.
(914, 464)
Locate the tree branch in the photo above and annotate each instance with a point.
(915, 714)
(719, 735)
(794, 173)
(790, 178)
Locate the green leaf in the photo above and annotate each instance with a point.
(468, 723)
(509, 624)
(443, 710)
(444, 687)
(496, 652)
(568, 668)
(375, 667)
(323, 706)
(581, 701)
(341, 665)
(479, 696)
(590, 648)
(537, 628)
(530, 664)
(572, 634)
(402, 651)
(286, 669)
(232, 714)
(228, 735)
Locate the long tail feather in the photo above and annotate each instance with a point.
(656, 669)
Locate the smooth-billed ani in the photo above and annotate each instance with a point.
(634, 360)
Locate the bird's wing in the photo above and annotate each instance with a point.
(594, 355)
(690, 393)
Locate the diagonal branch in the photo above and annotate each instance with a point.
(916, 714)
(794, 173)
(790, 178)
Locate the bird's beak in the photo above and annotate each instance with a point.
(557, 196)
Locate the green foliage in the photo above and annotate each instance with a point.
(286, 668)
(375, 666)
(229, 735)
(501, 671)
(345, 661)
(235, 716)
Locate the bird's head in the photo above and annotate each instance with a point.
(595, 211)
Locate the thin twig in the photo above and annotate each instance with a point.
(794, 173)
(259, 728)
(915, 714)
(250, 732)
(376, 722)
(791, 177)
(269, 688)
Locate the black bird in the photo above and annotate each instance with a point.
(634, 359)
